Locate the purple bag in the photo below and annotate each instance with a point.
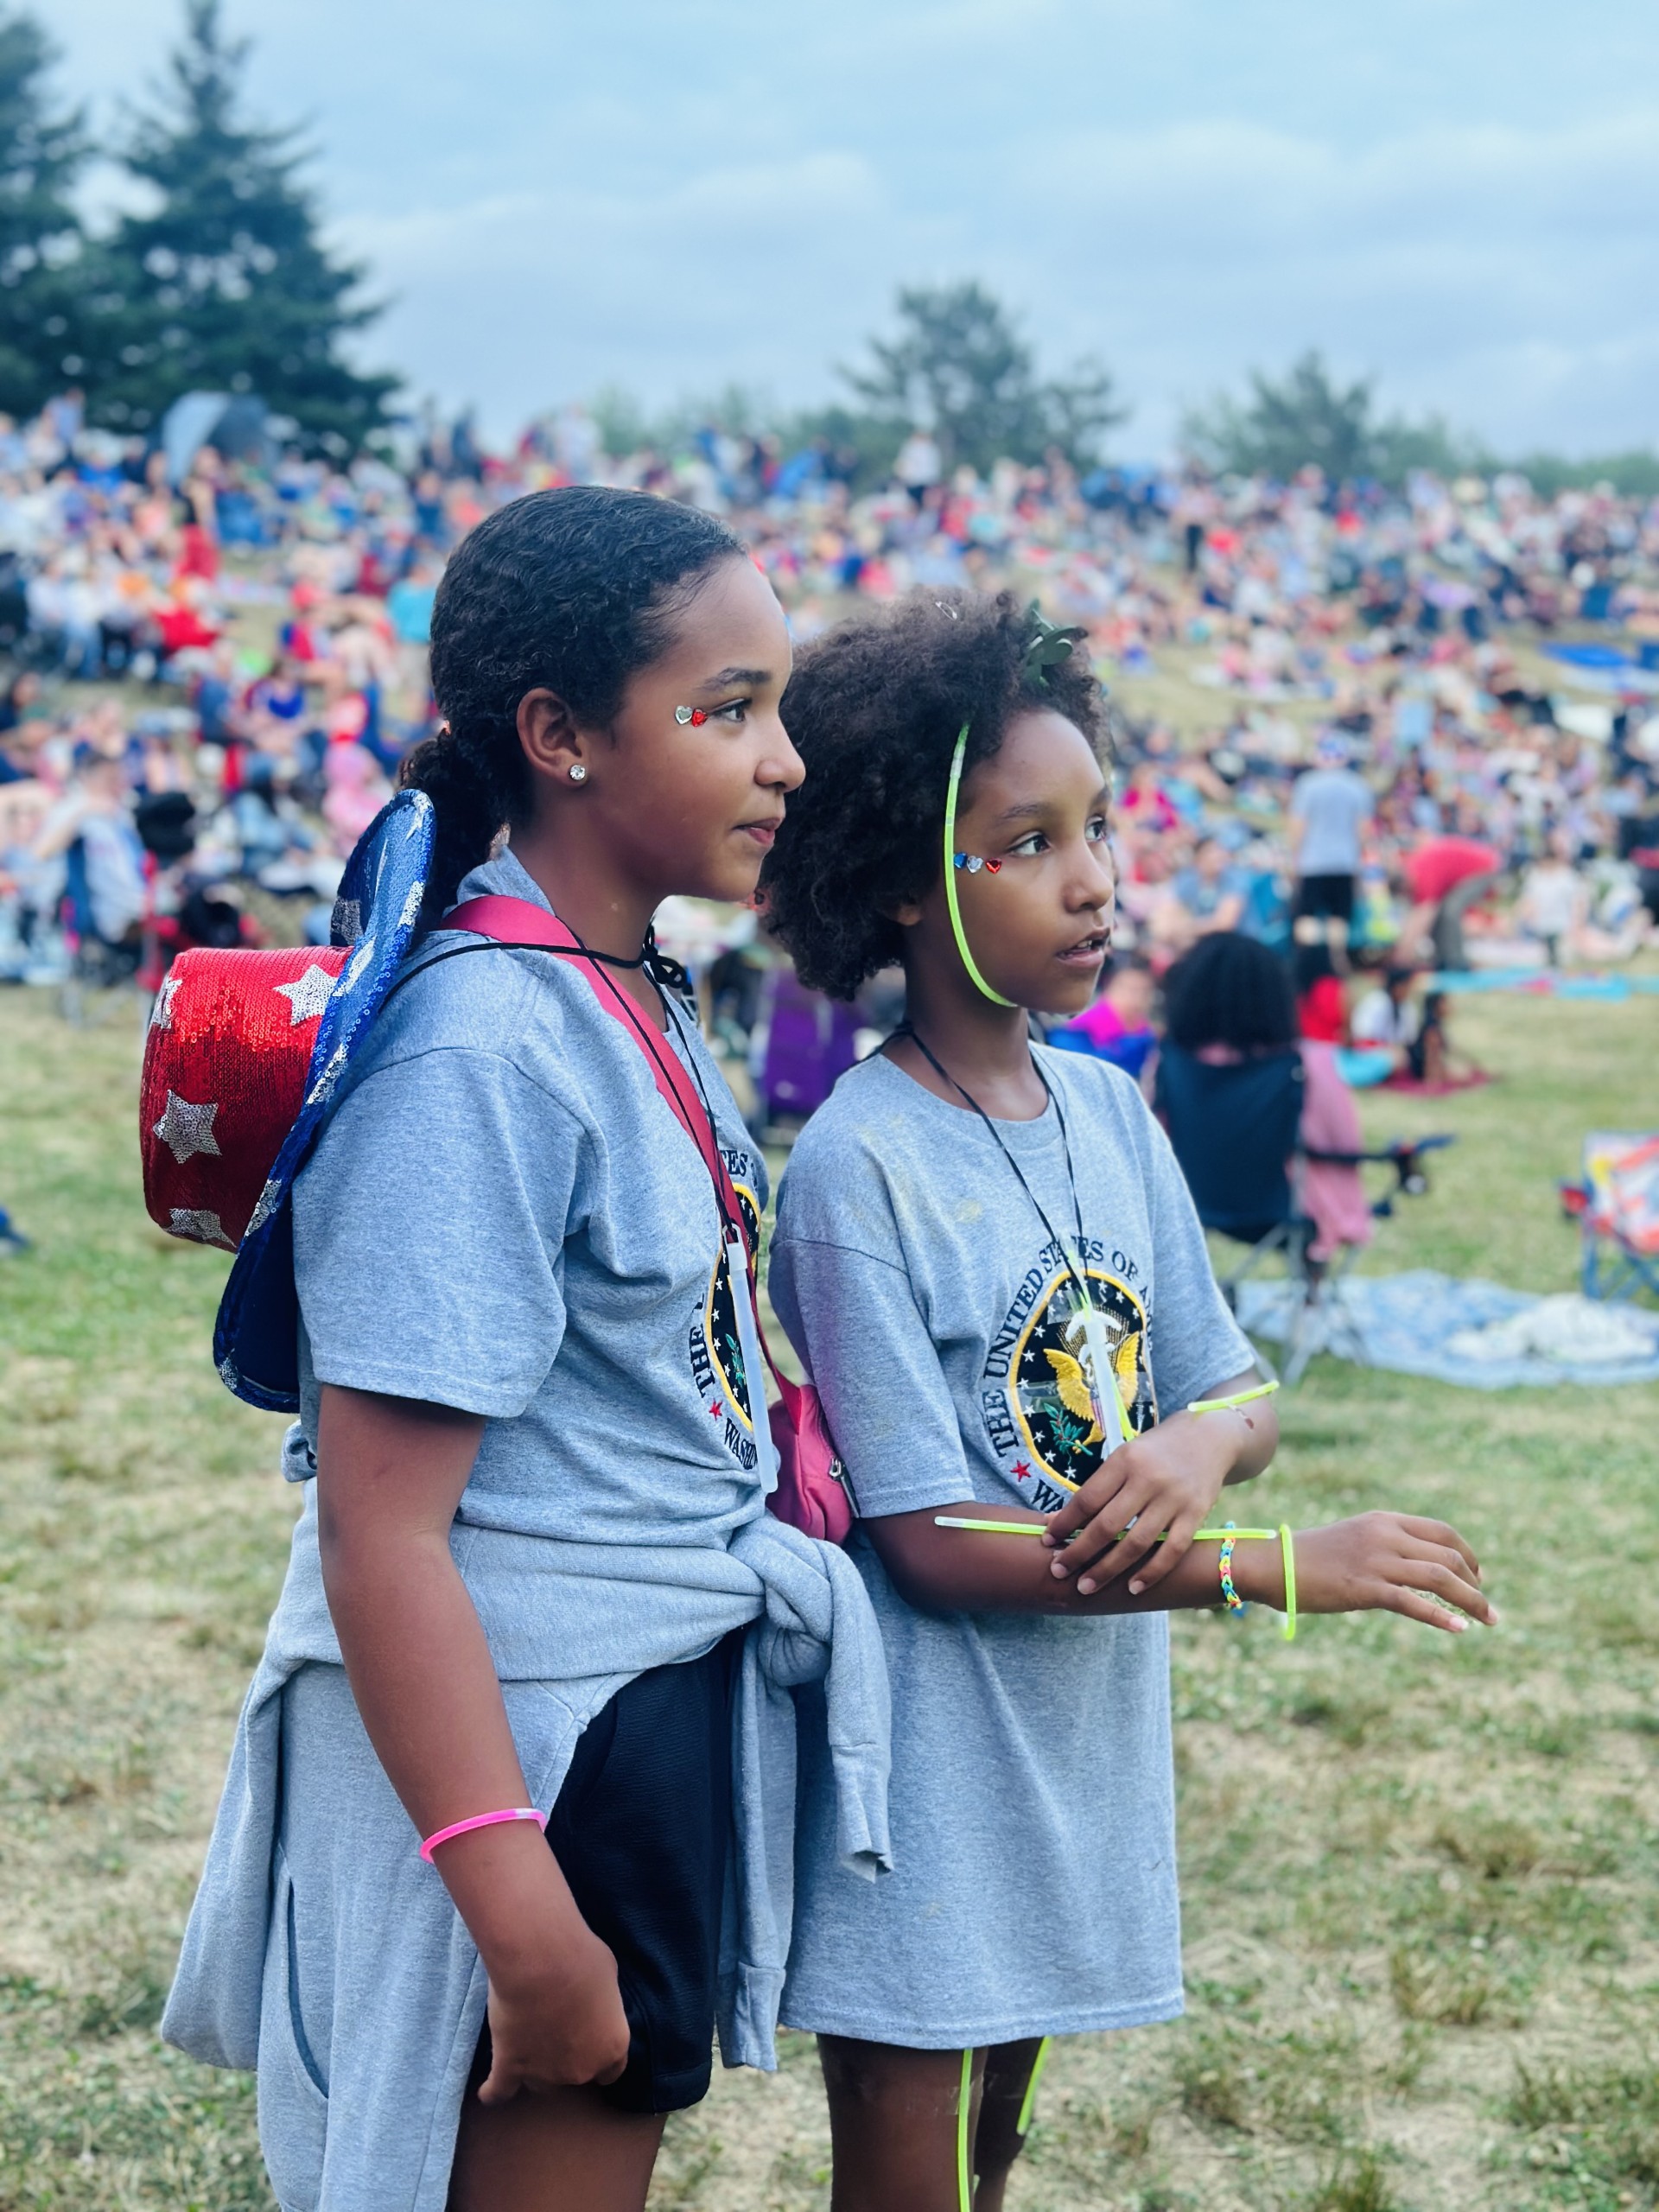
(809, 1045)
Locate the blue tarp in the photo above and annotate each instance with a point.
(1543, 982)
(1406, 1323)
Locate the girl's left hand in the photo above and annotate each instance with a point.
(1165, 1483)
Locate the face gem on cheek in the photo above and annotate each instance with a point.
(696, 716)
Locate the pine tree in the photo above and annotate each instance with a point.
(40, 152)
(226, 286)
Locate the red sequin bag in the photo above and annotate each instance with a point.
(226, 1061)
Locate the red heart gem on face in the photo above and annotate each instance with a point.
(698, 717)
(992, 865)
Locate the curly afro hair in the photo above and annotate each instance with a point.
(1229, 989)
(874, 708)
(573, 591)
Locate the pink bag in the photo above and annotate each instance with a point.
(811, 1493)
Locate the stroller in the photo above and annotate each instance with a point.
(1615, 1204)
(1236, 1130)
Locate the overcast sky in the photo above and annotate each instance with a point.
(1460, 195)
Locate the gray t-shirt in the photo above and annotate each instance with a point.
(502, 1216)
(1333, 805)
(1031, 1756)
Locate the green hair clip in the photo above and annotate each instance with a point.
(1047, 646)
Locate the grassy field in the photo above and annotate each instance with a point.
(1422, 1921)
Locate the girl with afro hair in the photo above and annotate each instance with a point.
(987, 1257)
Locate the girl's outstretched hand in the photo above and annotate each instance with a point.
(1377, 1562)
(556, 2021)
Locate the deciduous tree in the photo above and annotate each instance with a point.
(1306, 418)
(959, 366)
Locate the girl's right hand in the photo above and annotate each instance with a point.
(1380, 1562)
(556, 2022)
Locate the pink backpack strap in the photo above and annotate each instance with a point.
(810, 1495)
(519, 922)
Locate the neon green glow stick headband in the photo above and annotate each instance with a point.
(961, 934)
(1045, 646)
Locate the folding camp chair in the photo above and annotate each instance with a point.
(1615, 1204)
(95, 963)
(1236, 1130)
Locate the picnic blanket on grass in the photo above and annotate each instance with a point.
(1475, 1333)
(1411, 1086)
(1545, 983)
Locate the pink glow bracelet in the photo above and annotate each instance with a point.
(482, 1820)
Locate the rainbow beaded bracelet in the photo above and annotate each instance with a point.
(1230, 1596)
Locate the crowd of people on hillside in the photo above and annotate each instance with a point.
(213, 665)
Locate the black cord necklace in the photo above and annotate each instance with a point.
(667, 974)
(1109, 1409)
(944, 1074)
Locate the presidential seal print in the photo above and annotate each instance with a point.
(717, 1362)
(1039, 1395)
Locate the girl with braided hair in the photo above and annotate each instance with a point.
(469, 1903)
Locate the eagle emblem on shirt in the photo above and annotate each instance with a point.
(719, 1372)
(1043, 1401)
(1074, 1376)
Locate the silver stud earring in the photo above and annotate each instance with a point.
(578, 773)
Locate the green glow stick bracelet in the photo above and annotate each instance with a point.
(1226, 1405)
(964, 2097)
(1023, 2123)
(1200, 1537)
(964, 2163)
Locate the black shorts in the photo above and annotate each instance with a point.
(641, 1828)
(1326, 897)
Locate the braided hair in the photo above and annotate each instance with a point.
(874, 708)
(574, 591)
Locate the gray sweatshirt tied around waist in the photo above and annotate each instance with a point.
(568, 1628)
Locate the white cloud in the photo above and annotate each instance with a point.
(1458, 194)
(1455, 260)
